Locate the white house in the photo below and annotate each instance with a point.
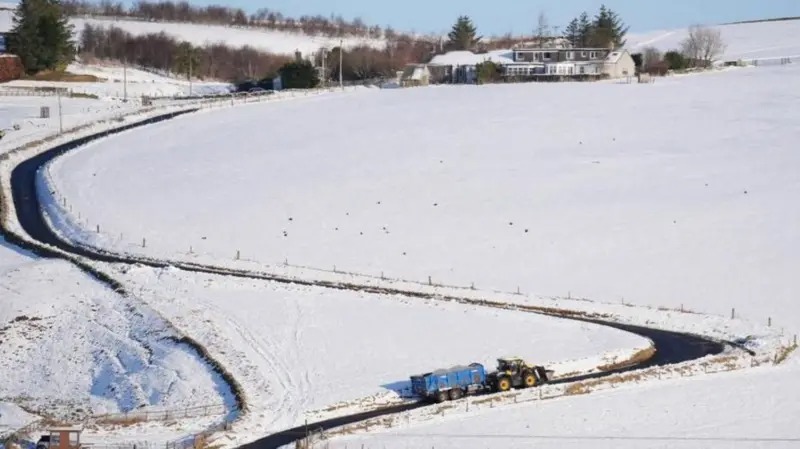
(463, 64)
(619, 64)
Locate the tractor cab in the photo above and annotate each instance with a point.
(514, 372)
(511, 365)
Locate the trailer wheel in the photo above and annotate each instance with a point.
(456, 394)
(441, 396)
(528, 379)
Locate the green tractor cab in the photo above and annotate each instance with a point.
(514, 372)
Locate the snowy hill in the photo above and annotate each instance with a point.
(776, 39)
(266, 40)
(110, 356)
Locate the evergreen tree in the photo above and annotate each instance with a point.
(572, 33)
(584, 30)
(41, 36)
(463, 36)
(187, 60)
(608, 30)
(299, 75)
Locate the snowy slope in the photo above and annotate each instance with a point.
(753, 409)
(139, 83)
(24, 112)
(666, 194)
(297, 351)
(12, 417)
(744, 41)
(262, 39)
(71, 347)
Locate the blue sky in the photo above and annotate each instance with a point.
(519, 16)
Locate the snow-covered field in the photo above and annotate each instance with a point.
(743, 41)
(267, 40)
(750, 409)
(298, 351)
(71, 347)
(666, 194)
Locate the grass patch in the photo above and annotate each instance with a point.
(56, 75)
(83, 95)
(121, 421)
(637, 358)
(783, 353)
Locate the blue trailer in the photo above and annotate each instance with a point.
(452, 383)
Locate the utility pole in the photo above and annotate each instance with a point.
(60, 116)
(341, 50)
(324, 73)
(125, 80)
(191, 54)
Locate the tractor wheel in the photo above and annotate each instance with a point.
(441, 396)
(455, 394)
(503, 384)
(528, 379)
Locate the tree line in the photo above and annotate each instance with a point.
(181, 11)
(218, 61)
(163, 52)
(605, 30)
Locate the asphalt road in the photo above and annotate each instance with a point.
(671, 347)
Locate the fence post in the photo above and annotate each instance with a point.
(430, 282)
(733, 313)
(144, 242)
(237, 254)
(769, 321)
(795, 339)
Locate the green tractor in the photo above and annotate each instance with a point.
(514, 372)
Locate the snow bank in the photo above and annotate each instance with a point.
(70, 347)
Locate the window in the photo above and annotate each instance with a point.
(583, 54)
(520, 56)
(547, 56)
(570, 55)
(593, 55)
(582, 70)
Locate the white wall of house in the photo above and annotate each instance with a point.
(621, 66)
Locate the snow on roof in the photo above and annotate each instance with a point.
(470, 58)
(615, 56)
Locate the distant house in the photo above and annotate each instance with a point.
(619, 64)
(557, 62)
(415, 75)
(462, 65)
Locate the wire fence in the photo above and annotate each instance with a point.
(150, 415)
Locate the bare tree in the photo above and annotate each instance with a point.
(703, 45)
(651, 56)
(542, 30)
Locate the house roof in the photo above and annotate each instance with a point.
(615, 56)
(470, 58)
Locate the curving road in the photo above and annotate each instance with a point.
(671, 347)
